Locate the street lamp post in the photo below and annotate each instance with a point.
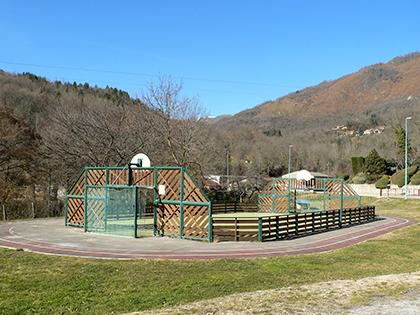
(406, 158)
(227, 168)
(290, 156)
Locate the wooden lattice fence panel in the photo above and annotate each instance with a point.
(333, 189)
(275, 197)
(333, 192)
(118, 176)
(351, 199)
(282, 198)
(171, 179)
(196, 217)
(95, 177)
(79, 187)
(75, 203)
(191, 191)
(281, 204)
(265, 199)
(179, 201)
(196, 221)
(168, 220)
(75, 211)
(143, 178)
(265, 203)
(280, 195)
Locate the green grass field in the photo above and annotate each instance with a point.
(34, 283)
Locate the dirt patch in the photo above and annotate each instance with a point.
(407, 304)
(332, 297)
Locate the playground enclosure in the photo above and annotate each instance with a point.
(160, 201)
(167, 201)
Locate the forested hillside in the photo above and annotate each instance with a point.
(325, 123)
(50, 130)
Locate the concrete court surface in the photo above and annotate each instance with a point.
(50, 236)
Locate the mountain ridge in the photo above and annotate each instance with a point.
(360, 90)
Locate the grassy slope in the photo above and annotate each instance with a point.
(33, 283)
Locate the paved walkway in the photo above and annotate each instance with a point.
(50, 236)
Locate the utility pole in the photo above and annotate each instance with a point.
(290, 157)
(406, 158)
(4, 213)
(227, 168)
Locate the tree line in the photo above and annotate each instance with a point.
(50, 130)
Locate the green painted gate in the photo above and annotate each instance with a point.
(95, 200)
(113, 210)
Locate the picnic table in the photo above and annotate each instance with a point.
(304, 204)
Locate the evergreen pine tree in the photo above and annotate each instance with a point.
(374, 164)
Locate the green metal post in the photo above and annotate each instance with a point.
(324, 197)
(260, 230)
(210, 232)
(85, 201)
(66, 210)
(406, 158)
(106, 199)
(258, 203)
(155, 201)
(181, 206)
(288, 195)
(272, 195)
(341, 201)
(290, 158)
(134, 188)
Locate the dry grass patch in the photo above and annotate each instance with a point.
(325, 297)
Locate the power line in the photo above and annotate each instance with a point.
(140, 74)
(139, 85)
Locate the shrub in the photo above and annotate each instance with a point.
(374, 164)
(372, 178)
(383, 182)
(398, 177)
(357, 164)
(359, 179)
(415, 180)
(412, 170)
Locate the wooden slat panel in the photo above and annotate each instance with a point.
(75, 211)
(284, 226)
(196, 221)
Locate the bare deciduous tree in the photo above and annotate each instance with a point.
(177, 121)
(94, 132)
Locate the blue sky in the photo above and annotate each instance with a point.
(231, 54)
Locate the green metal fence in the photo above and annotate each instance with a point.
(95, 201)
(289, 195)
(139, 201)
(113, 209)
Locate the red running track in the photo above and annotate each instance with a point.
(317, 243)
